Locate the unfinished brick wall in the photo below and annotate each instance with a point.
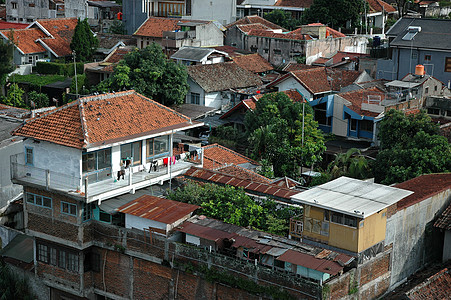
(53, 227)
(374, 268)
(59, 276)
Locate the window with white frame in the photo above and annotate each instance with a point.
(68, 208)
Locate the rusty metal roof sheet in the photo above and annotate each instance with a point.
(311, 262)
(158, 209)
(207, 233)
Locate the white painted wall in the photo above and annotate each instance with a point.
(220, 10)
(339, 126)
(56, 158)
(8, 190)
(191, 239)
(215, 100)
(142, 223)
(291, 83)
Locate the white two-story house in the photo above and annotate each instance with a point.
(100, 147)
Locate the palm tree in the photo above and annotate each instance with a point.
(352, 164)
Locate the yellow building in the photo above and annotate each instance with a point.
(345, 213)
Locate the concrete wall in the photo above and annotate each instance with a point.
(316, 48)
(195, 88)
(26, 13)
(339, 125)
(291, 83)
(56, 158)
(403, 61)
(222, 11)
(75, 9)
(133, 15)
(8, 190)
(143, 223)
(209, 35)
(409, 231)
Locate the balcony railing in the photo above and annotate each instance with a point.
(76, 186)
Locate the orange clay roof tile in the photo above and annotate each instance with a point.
(101, 119)
(254, 63)
(25, 39)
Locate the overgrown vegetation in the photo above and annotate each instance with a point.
(14, 97)
(35, 80)
(84, 43)
(276, 134)
(151, 74)
(283, 19)
(410, 147)
(6, 60)
(55, 68)
(335, 13)
(13, 287)
(227, 136)
(351, 164)
(233, 206)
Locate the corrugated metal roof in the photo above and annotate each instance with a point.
(308, 261)
(250, 186)
(352, 196)
(158, 209)
(20, 248)
(207, 233)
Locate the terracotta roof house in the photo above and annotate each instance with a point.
(156, 214)
(12, 25)
(43, 39)
(273, 251)
(175, 33)
(254, 63)
(219, 85)
(237, 113)
(99, 71)
(313, 83)
(379, 12)
(217, 156)
(99, 136)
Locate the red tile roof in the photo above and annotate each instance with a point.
(295, 67)
(254, 63)
(61, 31)
(379, 6)
(158, 209)
(435, 287)
(424, 186)
(218, 156)
(12, 25)
(255, 20)
(243, 173)
(444, 221)
(117, 55)
(314, 80)
(25, 39)
(358, 97)
(341, 78)
(248, 27)
(294, 3)
(277, 35)
(311, 262)
(245, 183)
(232, 51)
(154, 26)
(106, 118)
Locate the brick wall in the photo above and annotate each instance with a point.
(374, 268)
(59, 276)
(53, 227)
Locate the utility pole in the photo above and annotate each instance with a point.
(75, 71)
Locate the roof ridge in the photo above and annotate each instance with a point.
(228, 149)
(83, 122)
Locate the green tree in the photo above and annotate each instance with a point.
(117, 27)
(150, 73)
(6, 60)
(415, 149)
(283, 19)
(233, 206)
(275, 134)
(398, 129)
(351, 164)
(12, 286)
(14, 97)
(335, 13)
(39, 99)
(84, 43)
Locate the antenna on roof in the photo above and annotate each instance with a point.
(75, 71)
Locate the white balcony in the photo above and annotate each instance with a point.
(77, 187)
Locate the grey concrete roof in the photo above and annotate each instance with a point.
(194, 111)
(434, 34)
(351, 196)
(20, 248)
(7, 125)
(195, 53)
